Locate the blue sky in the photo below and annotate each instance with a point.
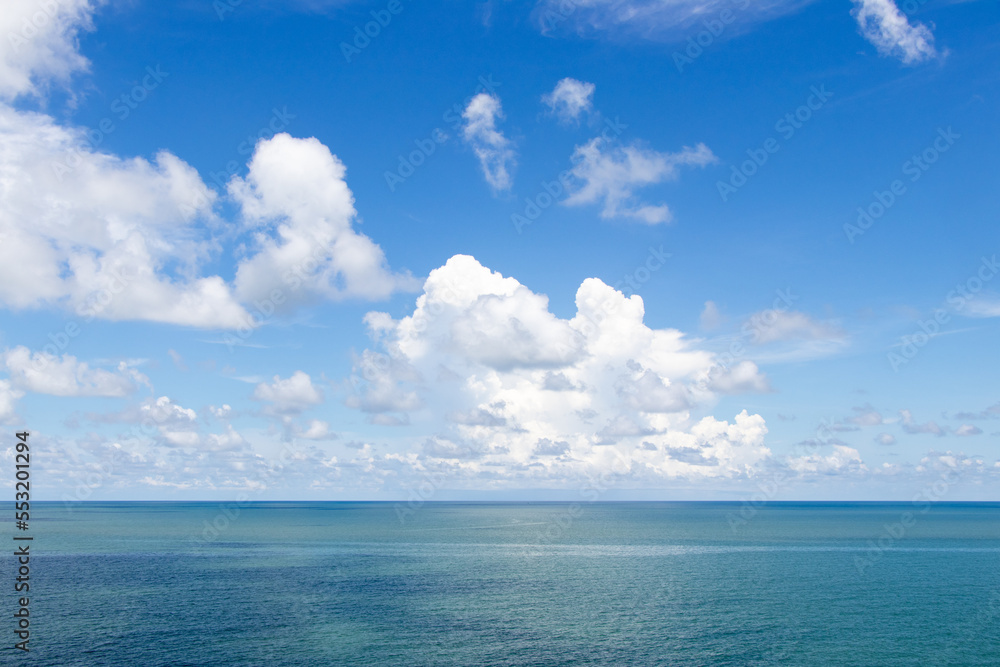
(697, 249)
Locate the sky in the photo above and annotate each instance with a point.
(388, 250)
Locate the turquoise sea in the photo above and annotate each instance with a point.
(509, 584)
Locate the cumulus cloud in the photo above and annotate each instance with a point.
(865, 416)
(44, 373)
(968, 429)
(101, 231)
(888, 29)
(495, 151)
(912, 427)
(123, 238)
(885, 439)
(8, 400)
(289, 396)
(545, 397)
(842, 459)
(40, 40)
(611, 174)
(989, 413)
(317, 430)
(298, 204)
(570, 99)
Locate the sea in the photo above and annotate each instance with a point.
(539, 584)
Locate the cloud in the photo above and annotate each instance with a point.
(119, 239)
(710, 318)
(775, 325)
(968, 429)
(44, 373)
(539, 397)
(888, 29)
(317, 430)
(885, 439)
(570, 99)
(842, 460)
(866, 416)
(289, 396)
(300, 210)
(164, 411)
(611, 174)
(122, 238)
(982, 306)
(991, 412)
(8, 398)
(660, 20)
(912, 427)
(495, 152)
(40, 44)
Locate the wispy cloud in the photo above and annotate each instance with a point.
(890, 31)
(494, 150)
(611, 174)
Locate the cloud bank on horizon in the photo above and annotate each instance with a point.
(480, 383)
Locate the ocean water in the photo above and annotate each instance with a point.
(509, 584)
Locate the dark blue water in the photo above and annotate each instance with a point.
(509, 584)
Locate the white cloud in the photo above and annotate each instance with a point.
(982, 306)
(569, 99)
(494, 150)
(289, 396)
(888, 29)
(301, 210)
(968, 429)
(8, 399)
(885, 439)
(165, 411)
(611, 175)
(912, 427)
(710, 318)
(125, 238)
(665, 20)
(317, 430)
(842, 459)
(101, 230)
(542, 398)
(866, 416)
(772, 326)
(40, 44)
(44, 373)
